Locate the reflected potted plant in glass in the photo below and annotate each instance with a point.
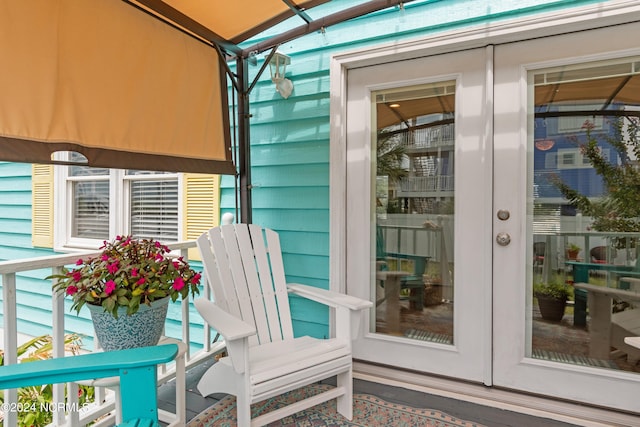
(552, 298)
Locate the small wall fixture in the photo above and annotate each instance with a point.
(278, 67)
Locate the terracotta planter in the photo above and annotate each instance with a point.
(572, 254)
(551, 309)
(141, 329)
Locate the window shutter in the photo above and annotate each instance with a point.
(202, 206)
(42, 205)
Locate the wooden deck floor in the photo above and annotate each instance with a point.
(481, 414)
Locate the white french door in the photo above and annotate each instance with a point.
(428, 225)
(545, 100)
(440, 235)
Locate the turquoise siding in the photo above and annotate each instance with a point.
(290, 137)
(15, 212)
(289, 142)
(33, 293)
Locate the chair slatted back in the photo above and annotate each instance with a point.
(244, 267)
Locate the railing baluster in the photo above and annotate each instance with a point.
(9, 270)
(186, 336)
(57, 310)
(10, 327)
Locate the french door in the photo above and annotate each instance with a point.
(549, 105)
(417, 205)
(453, 164)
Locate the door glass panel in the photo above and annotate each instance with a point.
(414, 212)
(584, 210)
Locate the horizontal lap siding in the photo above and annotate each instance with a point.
(290, 178)
(33, 294)
(290, 137)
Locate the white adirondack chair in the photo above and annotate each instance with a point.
(243, 265)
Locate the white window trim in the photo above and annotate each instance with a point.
(117, 220)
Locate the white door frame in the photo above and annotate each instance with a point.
(564, 21)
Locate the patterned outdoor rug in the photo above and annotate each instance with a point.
(368, 411)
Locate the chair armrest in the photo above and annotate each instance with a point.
(136, 368)
(609, 292)
(84, 366)
(236, 332)
(230, 327)
(330, 298)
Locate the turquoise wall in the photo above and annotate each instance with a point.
(290, 137)
(33, 294)
(289, 144)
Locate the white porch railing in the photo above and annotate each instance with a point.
(426, 184)
(11, 271)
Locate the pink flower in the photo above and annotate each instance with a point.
(109, 287)
(134, 272)
(196, 278)
(178, 283)
(141, 281)
(77, 276)
(104, 257)
(176, 264)
(79, 262)
(113, 267)
(71, 290)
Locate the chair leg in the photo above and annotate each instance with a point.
(345, 402)
(243, 407)
(118, 403)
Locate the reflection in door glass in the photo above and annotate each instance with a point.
(414, 201)
(585, 214)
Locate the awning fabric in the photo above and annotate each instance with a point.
(104, 79)
(137, 83)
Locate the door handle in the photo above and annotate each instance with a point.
(503, 239)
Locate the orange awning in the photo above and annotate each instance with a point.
(135, 83)
(103, 79)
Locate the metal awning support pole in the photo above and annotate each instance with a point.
(244, 140)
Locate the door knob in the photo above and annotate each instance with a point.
(503, 239)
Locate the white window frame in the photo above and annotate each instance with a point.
(119, 207)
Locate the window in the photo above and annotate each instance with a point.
(572, 158)
(98, 204)
(153, 205)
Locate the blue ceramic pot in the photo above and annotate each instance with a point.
(141, 329)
